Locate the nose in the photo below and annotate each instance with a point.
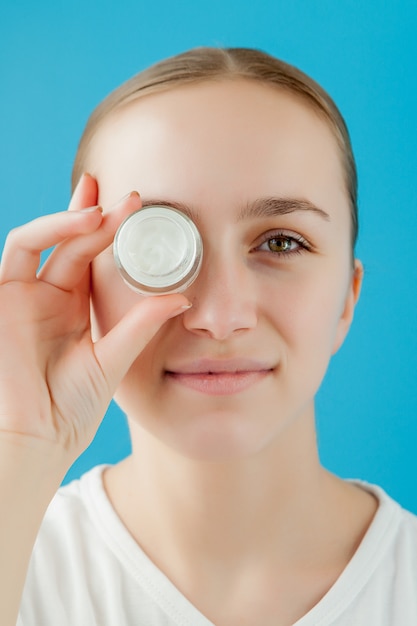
(223, 297)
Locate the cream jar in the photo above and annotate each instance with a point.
(158, 250)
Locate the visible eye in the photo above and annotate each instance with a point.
(283, 244)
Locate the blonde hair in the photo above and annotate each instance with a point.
(205, 64)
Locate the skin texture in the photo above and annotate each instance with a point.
(216, 149)
(224, 489)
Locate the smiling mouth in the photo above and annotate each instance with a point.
(217, 381)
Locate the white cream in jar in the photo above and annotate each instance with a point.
(158, 250)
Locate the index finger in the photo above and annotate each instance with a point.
(67, 266)
(24, 245)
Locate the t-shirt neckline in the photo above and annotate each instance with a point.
(349, 584)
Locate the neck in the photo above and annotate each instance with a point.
(221, 532)
(221, 508)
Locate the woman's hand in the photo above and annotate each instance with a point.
(55, 383)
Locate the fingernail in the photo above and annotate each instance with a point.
(83, 176)
(181, 309)
(131, 194)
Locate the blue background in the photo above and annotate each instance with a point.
(58, 59)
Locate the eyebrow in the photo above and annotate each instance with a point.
(273, 206)
(270, 206)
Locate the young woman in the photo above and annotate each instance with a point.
(223, 513)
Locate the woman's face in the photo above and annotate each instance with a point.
(260, 172)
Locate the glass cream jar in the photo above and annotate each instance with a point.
(158, 250)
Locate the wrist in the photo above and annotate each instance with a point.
(32, 463)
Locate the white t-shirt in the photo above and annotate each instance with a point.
(86, 570)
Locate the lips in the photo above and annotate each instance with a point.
(220, 377)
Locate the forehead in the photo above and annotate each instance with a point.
(242, 138)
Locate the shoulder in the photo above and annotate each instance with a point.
(384, 570)
(378, 585)
(70, 557)
(70, 530)
(393, 531)
(74, 509)
(391, 518)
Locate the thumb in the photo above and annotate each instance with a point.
(119, 348)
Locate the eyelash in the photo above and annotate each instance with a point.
(302, 244)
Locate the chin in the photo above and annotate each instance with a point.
(218, 436)
(227, 429)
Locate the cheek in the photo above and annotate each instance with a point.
(139, 393)
(306, 309)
